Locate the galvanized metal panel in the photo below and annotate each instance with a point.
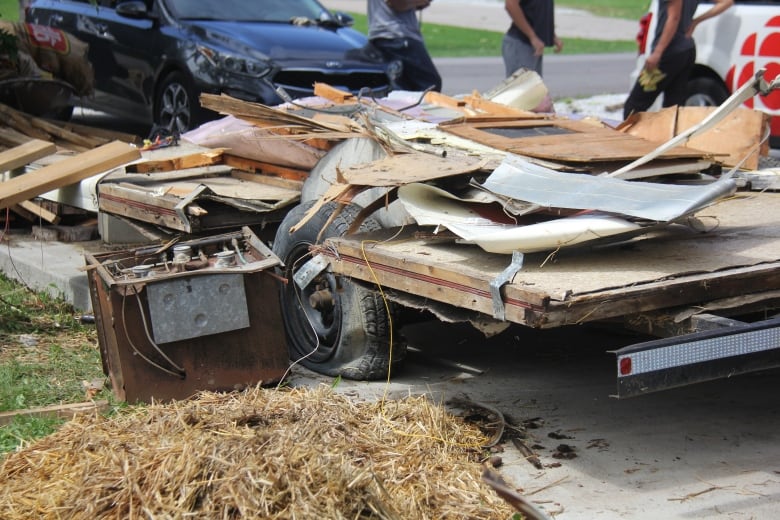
(185, 308)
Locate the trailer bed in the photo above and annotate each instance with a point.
(672, 266)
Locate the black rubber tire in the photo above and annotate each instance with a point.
(64, 113)
(350, 338)
(176, 107)
(705, 92)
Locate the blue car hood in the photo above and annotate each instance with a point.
(282, 41)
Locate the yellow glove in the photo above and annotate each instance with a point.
(649, 79)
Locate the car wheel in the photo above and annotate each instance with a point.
(334, 325)
(705, 92)
(176, 107)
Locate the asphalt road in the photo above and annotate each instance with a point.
(565, 75)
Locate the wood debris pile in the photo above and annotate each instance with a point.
(291, 453)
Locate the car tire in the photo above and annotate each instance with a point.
(64, 113)
(705, 92)
(176, 108)
(346, 333)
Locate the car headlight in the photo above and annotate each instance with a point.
(235, 64)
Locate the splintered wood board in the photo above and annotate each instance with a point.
(25, 153)
(672, 266)
(65, 172)
(564, 141)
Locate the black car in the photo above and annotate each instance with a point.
(153, 58)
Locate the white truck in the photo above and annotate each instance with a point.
(730, 48)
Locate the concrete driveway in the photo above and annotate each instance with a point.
(705, 451)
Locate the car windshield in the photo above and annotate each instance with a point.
(246, 10)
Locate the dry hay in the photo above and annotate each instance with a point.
(294, 453)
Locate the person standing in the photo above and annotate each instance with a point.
(532, 29)
(673, 54)
(394, 29)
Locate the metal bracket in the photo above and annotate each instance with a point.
(499, 312)
(310, 270)
(180, 208)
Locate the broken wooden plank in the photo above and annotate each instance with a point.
(26, 153)
(183, 162)
(133, 202)
(38, 211)
(269, 180)
(498, 109)
(253, 165)
(334, 94)
(45, 130)
(65, 172)
(62, 411)
(11, 137)
(443, 100)
(99, 135)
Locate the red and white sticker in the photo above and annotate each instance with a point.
(47, 38)
(760, 50)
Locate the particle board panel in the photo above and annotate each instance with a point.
(564, 140)
(675, 265)
(731, 140)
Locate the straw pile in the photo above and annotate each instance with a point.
(295, 453)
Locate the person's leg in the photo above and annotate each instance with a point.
(675, 85)
(518, 54)
(419, 73)
(639, 99)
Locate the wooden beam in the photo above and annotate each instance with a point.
(12, 137)
(63, 411)
(65, 172)
(37, 211)
(333, 94)
(443, 100)
(183, 162)
(26, 153)
(252, 165)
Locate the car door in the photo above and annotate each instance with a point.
(122, 51)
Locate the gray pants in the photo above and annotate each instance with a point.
(519, 54)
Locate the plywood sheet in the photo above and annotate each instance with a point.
(564, 141)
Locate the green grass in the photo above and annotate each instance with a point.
(45, 354)
(9, 10)
(448, 41)
(627, 9)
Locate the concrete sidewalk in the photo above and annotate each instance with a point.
(491, 16)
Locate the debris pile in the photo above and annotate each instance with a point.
(288, 453)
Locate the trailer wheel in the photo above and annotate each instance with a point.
(334, 325)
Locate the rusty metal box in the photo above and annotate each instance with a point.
(203, 315)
